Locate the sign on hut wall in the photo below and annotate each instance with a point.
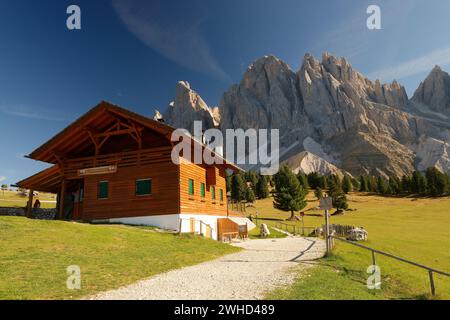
(97, 170)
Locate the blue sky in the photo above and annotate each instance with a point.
(133, 52)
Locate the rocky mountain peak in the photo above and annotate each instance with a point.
(357, 125)
(188, 107)
(265, 98)
(434, 91)
(436, 69)
(266, 71)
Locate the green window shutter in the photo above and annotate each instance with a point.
(191, 187)
(221, 194)
(213, 193)
(103, 187)
(202, 190)
(144, 187)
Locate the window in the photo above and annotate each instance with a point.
(143, 187)
(202, 190)
(103, 189)
(221, 194)
(191, 187)
(213, 193)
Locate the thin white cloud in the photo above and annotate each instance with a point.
(2, 178)
(414, 66)
(175, 39)
(30, 113)
(351, 38)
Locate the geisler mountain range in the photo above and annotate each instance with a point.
(332, 119)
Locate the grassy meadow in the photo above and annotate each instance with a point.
(413, 228)
(35, 255)
(14, 199)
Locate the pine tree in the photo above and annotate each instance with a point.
(313, 180)
(363, 184)
(337, 195)
(318, 193)
(238, 187)
(437, 182)
(423, 185)
(418, 183)
(355, 184)
(250, 195)
(252, 177)
(303, 180)
(323, 182)
(347, 186)
(289, 194)
(228, 182)
(271, 182)
(389, 190)
(369, 184)
(381, 185)
(405, 185)
(373, 184)
(262, 189)
(394, 185)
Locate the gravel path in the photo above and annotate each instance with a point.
(264, 265)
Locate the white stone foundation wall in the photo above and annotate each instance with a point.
(174, 222)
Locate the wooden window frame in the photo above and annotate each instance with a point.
(221, 195)
(143, 195)
(213, 194)
(107, 190)
(189, 187)
(202, 190)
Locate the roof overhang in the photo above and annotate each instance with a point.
(75, 135)
(47, 180)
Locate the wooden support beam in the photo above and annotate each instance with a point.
(59, 158)
(62, 195)
(114, 133)
(93, 139)
(30, 204)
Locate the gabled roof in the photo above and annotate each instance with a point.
(47, 180)
(75, 136)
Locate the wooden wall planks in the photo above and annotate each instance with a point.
(196, 204)
(122, 201)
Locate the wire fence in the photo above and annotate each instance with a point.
(431, 271)
(296, 230)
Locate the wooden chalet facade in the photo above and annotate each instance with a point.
(113, 165)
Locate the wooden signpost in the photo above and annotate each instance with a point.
(326, 203)
(302, 214)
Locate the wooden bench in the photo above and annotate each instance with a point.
(230, 236)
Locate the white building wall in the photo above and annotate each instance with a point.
(199, 227)
(174, 221)
(166, 222)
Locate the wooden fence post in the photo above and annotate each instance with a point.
(30, 204)
(327, 231)
(433, 289)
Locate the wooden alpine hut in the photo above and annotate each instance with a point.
(115, 166)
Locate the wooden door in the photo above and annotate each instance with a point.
(78, 202)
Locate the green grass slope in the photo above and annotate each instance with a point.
(35, 254)
(415, 229)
